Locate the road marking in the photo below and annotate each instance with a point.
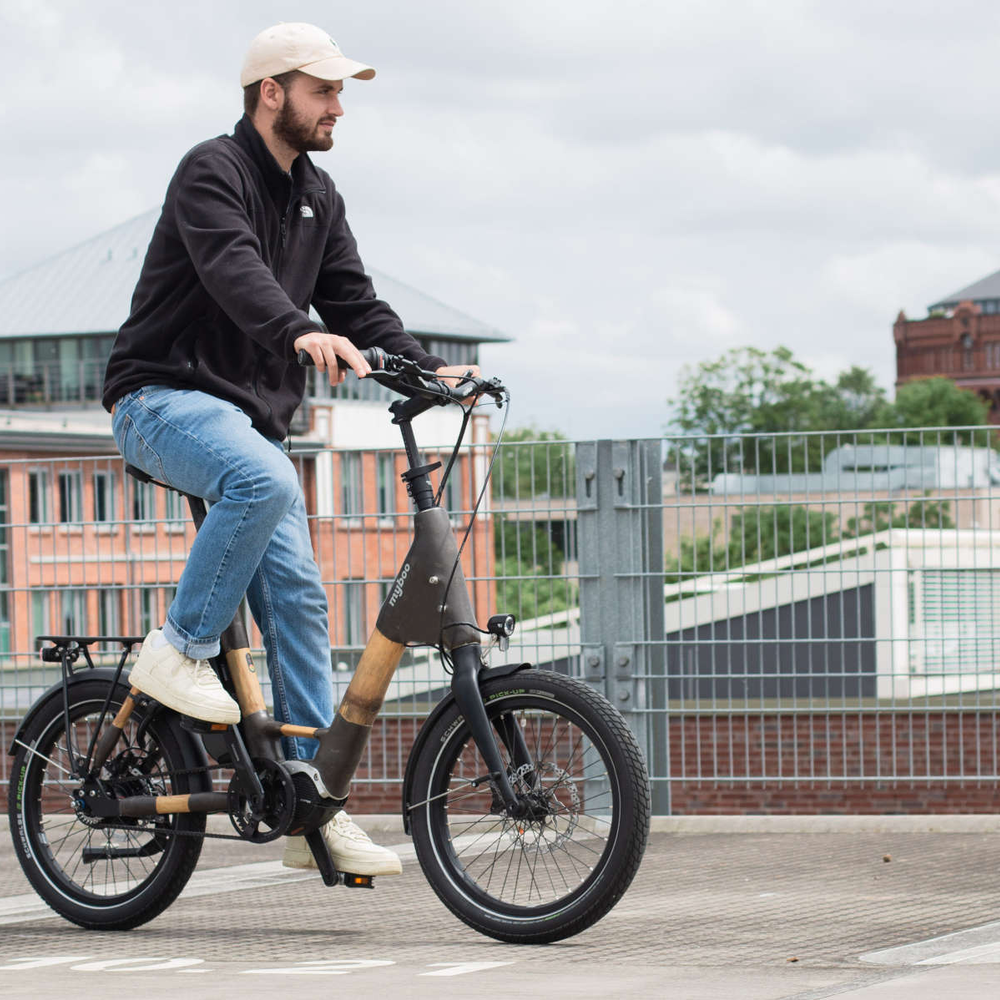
(21, 909)
(975, 946)
(40, 962)
(318, 967)
(461, 968)
(322, 967)
(136, 964)
(212, 881)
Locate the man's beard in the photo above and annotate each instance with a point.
(299, 134)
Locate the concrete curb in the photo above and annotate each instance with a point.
(937, 823)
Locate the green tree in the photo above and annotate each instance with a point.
(932, 402)
(748, 395)
(534, 463)
(755, 535)
(853, 402)
(882, 514)
(529, 570)
(743, 391)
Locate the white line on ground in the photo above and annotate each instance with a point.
(255, 875)
(975, 946)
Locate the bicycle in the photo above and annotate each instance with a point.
(525, 793)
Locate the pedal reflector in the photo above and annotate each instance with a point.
(193, 725)
(359, 881)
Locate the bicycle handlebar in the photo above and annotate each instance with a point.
(407, 378)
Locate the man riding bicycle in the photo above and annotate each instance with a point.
(203, 381)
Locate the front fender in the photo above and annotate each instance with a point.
(449, 699)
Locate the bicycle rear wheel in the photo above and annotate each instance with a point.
(111, 874)
(552, 875)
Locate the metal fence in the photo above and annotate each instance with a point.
(801, 622)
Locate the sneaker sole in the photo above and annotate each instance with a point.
(298, 858)
(148, 685)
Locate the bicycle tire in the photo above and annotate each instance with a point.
(50, 835)
(571, 866)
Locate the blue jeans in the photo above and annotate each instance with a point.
(254, 540)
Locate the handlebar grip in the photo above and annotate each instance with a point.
(375, 357)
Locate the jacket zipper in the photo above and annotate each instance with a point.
(283, 230)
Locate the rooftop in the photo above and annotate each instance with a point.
(88, 288)
(985, 288)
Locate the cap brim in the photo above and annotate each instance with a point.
(338, 68)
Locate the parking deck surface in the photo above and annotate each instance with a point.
(866, 913)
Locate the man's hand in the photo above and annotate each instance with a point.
(452, 375)
(325, 348)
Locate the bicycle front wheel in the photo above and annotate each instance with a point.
(103, 874)
(549, 875)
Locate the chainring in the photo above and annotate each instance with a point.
(272, 819)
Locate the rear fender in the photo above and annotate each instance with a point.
(191, 747)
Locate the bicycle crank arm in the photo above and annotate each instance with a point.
(465, 687)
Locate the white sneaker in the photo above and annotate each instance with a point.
(350, 847)
(188, 686)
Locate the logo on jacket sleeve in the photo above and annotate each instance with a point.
(307, 212)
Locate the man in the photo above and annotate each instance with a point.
(203, 380)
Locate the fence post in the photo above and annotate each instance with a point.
(620, 535)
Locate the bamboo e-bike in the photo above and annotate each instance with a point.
(525, 792)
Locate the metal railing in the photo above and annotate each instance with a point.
(786, 621)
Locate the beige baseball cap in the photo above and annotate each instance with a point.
(305, 47)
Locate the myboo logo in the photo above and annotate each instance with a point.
(397, 587)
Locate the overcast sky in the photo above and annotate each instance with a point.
(622, 188)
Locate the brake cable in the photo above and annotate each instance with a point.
(445, 657)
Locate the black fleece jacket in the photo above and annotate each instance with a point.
(239, 253)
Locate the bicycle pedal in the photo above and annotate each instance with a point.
(359, 881)
(193, 725)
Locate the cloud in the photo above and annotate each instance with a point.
(904, 273)
(621, 189)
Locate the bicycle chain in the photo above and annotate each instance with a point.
(160, 831)
(180, 772)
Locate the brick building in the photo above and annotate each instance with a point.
(959, 339)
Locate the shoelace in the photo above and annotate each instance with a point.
(348, 828)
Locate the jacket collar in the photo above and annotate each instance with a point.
(304, 175)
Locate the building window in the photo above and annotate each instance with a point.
(107, 611)
(53, 369)
(148, 619)
(351, 494)
(104, 496)
(38, 496)
(451, 499)
(386, 475)
(143, 501)
(176, 507)
(73, 612)
(70, 498)
(39, 613)
(354, 612)
(455, 352)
